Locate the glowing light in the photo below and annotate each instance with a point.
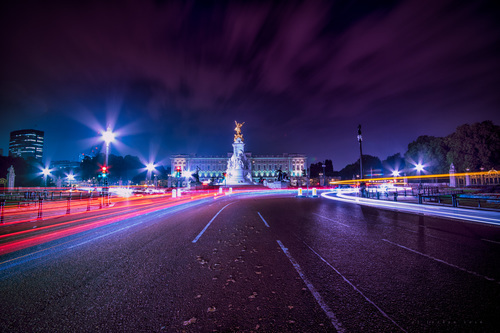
(419, 167)
(71, 177)
(150, 167)
(46, 171)
(395, 173)
(108, 136)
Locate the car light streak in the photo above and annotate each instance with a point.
(60, 230)
(124, 208)
(449, 212)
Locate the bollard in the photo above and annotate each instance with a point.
(396, 196)
(40, 209)
(2, 206)
(68, 206)
(299, 192)
(101, 199)
(378, 195)
(405, 192)
(174, 193)
(220, 190)
(179, 192)
(315, 192)
(230, 190)
(454, 201)
(88, 203)
(420, 198)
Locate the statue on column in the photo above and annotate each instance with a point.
(238, 134)
(11, 176)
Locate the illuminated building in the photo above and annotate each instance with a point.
(239, 167)
(263, 166)
(26, 143)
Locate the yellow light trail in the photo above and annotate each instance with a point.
(443, 175)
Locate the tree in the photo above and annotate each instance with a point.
(369, 163)
(474, 146)
(430, 151)
(393, 163)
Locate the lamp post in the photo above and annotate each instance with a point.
(108, 137)
(324, 175)
(419, 167)
(46, 173)
(360, 140)
(70, 178)
(150, 168)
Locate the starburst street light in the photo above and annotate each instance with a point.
(150, 167)
(70, 178)
(395, 173)
(419, 167)
(108, 137)
(46, 173)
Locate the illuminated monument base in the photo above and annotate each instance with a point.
(239, 168)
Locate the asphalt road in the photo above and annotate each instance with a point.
(250, 263)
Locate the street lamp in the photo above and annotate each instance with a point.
(70, 178)
(46, 173)
(324, 175)
(108, 137)
(360, 140)
(150, 167)
(419, 167)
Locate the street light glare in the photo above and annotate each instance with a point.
(395, 173)
(150, 167)
(419, 167)
(71, 177)
(108, 136)
(46, 171)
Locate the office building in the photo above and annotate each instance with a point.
(26, 143)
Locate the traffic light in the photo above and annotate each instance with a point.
(178, 171)
(225, 175)
(104, 171)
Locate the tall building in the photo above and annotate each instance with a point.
(26, 143)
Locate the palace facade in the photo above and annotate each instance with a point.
(264, 167)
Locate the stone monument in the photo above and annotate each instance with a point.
(239, 168)
(11, 176)
(453, 181)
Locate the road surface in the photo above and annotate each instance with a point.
(258, 263)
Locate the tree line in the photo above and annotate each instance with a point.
(471, 147)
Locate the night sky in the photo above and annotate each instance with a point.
(172, 77)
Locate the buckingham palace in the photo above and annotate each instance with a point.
(264, 167)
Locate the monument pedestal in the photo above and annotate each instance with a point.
(239, 167)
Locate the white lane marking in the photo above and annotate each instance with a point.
(489, 240)
(329, 219)
(206, 227)
(441, 261)
(326, 309)
(355, 288)
(267, 225)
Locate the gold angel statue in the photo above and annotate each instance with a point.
(238, 134)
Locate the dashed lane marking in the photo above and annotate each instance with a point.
(326, 309)
(267, 225)
(206, 227)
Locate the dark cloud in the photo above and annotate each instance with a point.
(301, 74)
